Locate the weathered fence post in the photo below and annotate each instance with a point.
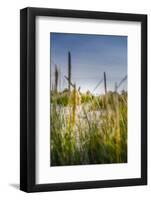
(69, 70)
(56, 78)
(105, 86)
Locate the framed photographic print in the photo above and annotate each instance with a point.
(83, 99)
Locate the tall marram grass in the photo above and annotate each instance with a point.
(92, 132)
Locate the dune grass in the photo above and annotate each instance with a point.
(93, 131)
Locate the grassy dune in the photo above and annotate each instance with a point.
(88, 129)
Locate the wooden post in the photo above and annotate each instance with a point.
(69, 70)
(56, 78)
(105, 86)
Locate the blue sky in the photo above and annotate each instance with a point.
(91, 55)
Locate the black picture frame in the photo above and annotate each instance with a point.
(28, 99)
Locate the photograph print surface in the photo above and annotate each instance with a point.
(88, 99)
